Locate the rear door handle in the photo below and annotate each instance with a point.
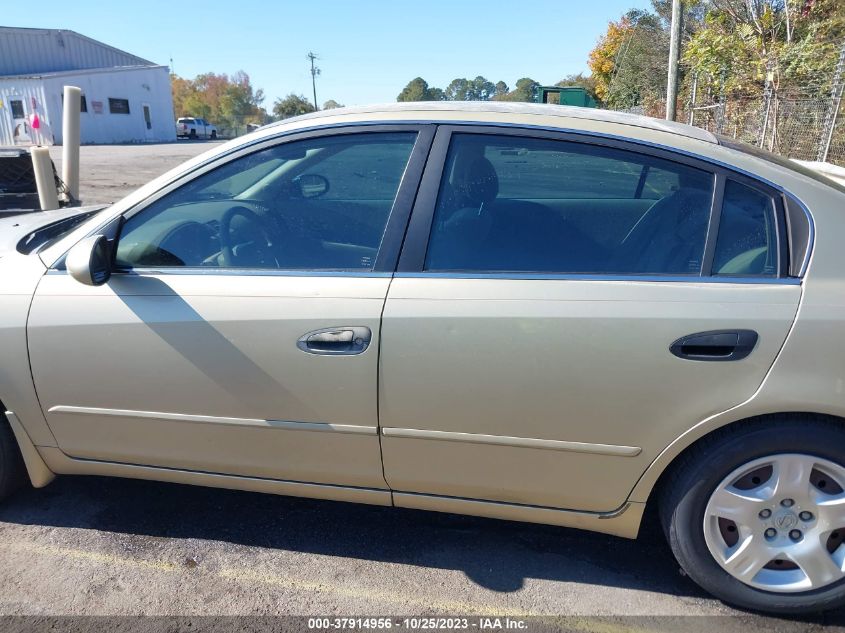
(715, 345)
(346, 340)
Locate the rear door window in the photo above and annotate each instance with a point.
(510, 203)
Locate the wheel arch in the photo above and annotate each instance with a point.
(673, 455)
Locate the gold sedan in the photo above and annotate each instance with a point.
(529, 312)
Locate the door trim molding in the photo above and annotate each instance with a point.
(285, 425)
(632, 278)
(518, 442)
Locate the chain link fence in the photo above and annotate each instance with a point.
(806, 123)
(802, 127)
(795, 126)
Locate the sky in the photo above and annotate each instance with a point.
(369, 50)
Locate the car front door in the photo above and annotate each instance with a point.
(534, 344)
(240, 331)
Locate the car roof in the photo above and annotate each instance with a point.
(448, 110)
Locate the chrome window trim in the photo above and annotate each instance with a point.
(518, 276)
(236, 272)
(811, 238)
(632, 278)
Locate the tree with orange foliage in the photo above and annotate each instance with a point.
(603, 58)
(629, 61)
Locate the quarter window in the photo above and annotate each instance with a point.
(548, 206)
(317, 204)
(747, 241)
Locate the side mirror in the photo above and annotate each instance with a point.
(89, 262)
(311, 185)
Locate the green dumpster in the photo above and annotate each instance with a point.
(570, 95)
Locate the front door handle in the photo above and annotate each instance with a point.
(346, 340)
(715, 345)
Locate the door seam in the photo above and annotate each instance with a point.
(378, 391)
(29, 360)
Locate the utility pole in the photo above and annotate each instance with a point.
(723, 102)
(833, 108)
(314, 72)
(693, 98)
(674, 55)
(767, 103)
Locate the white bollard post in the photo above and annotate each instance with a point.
(70, 140)
(44, 179)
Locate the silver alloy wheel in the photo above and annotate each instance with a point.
(777, 523)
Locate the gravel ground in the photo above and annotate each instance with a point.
(91, 546)
(107, 173)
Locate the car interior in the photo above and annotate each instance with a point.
(582, 223)
(297, 206)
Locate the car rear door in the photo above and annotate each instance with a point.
(240, 334)
(565, 307)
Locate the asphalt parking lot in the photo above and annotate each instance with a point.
(92, 546)
(121, 547)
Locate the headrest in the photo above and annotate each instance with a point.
(478, 184)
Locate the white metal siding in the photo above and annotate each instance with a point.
(29, 51)
(138, 86)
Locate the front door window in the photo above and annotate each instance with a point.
(316, 204)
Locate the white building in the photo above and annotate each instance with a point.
(126, 99)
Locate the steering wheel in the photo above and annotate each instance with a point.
(227, 255)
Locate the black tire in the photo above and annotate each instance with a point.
(12, 469)
(193, 134)
(690, 483)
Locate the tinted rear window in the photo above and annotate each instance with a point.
(510, 204)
